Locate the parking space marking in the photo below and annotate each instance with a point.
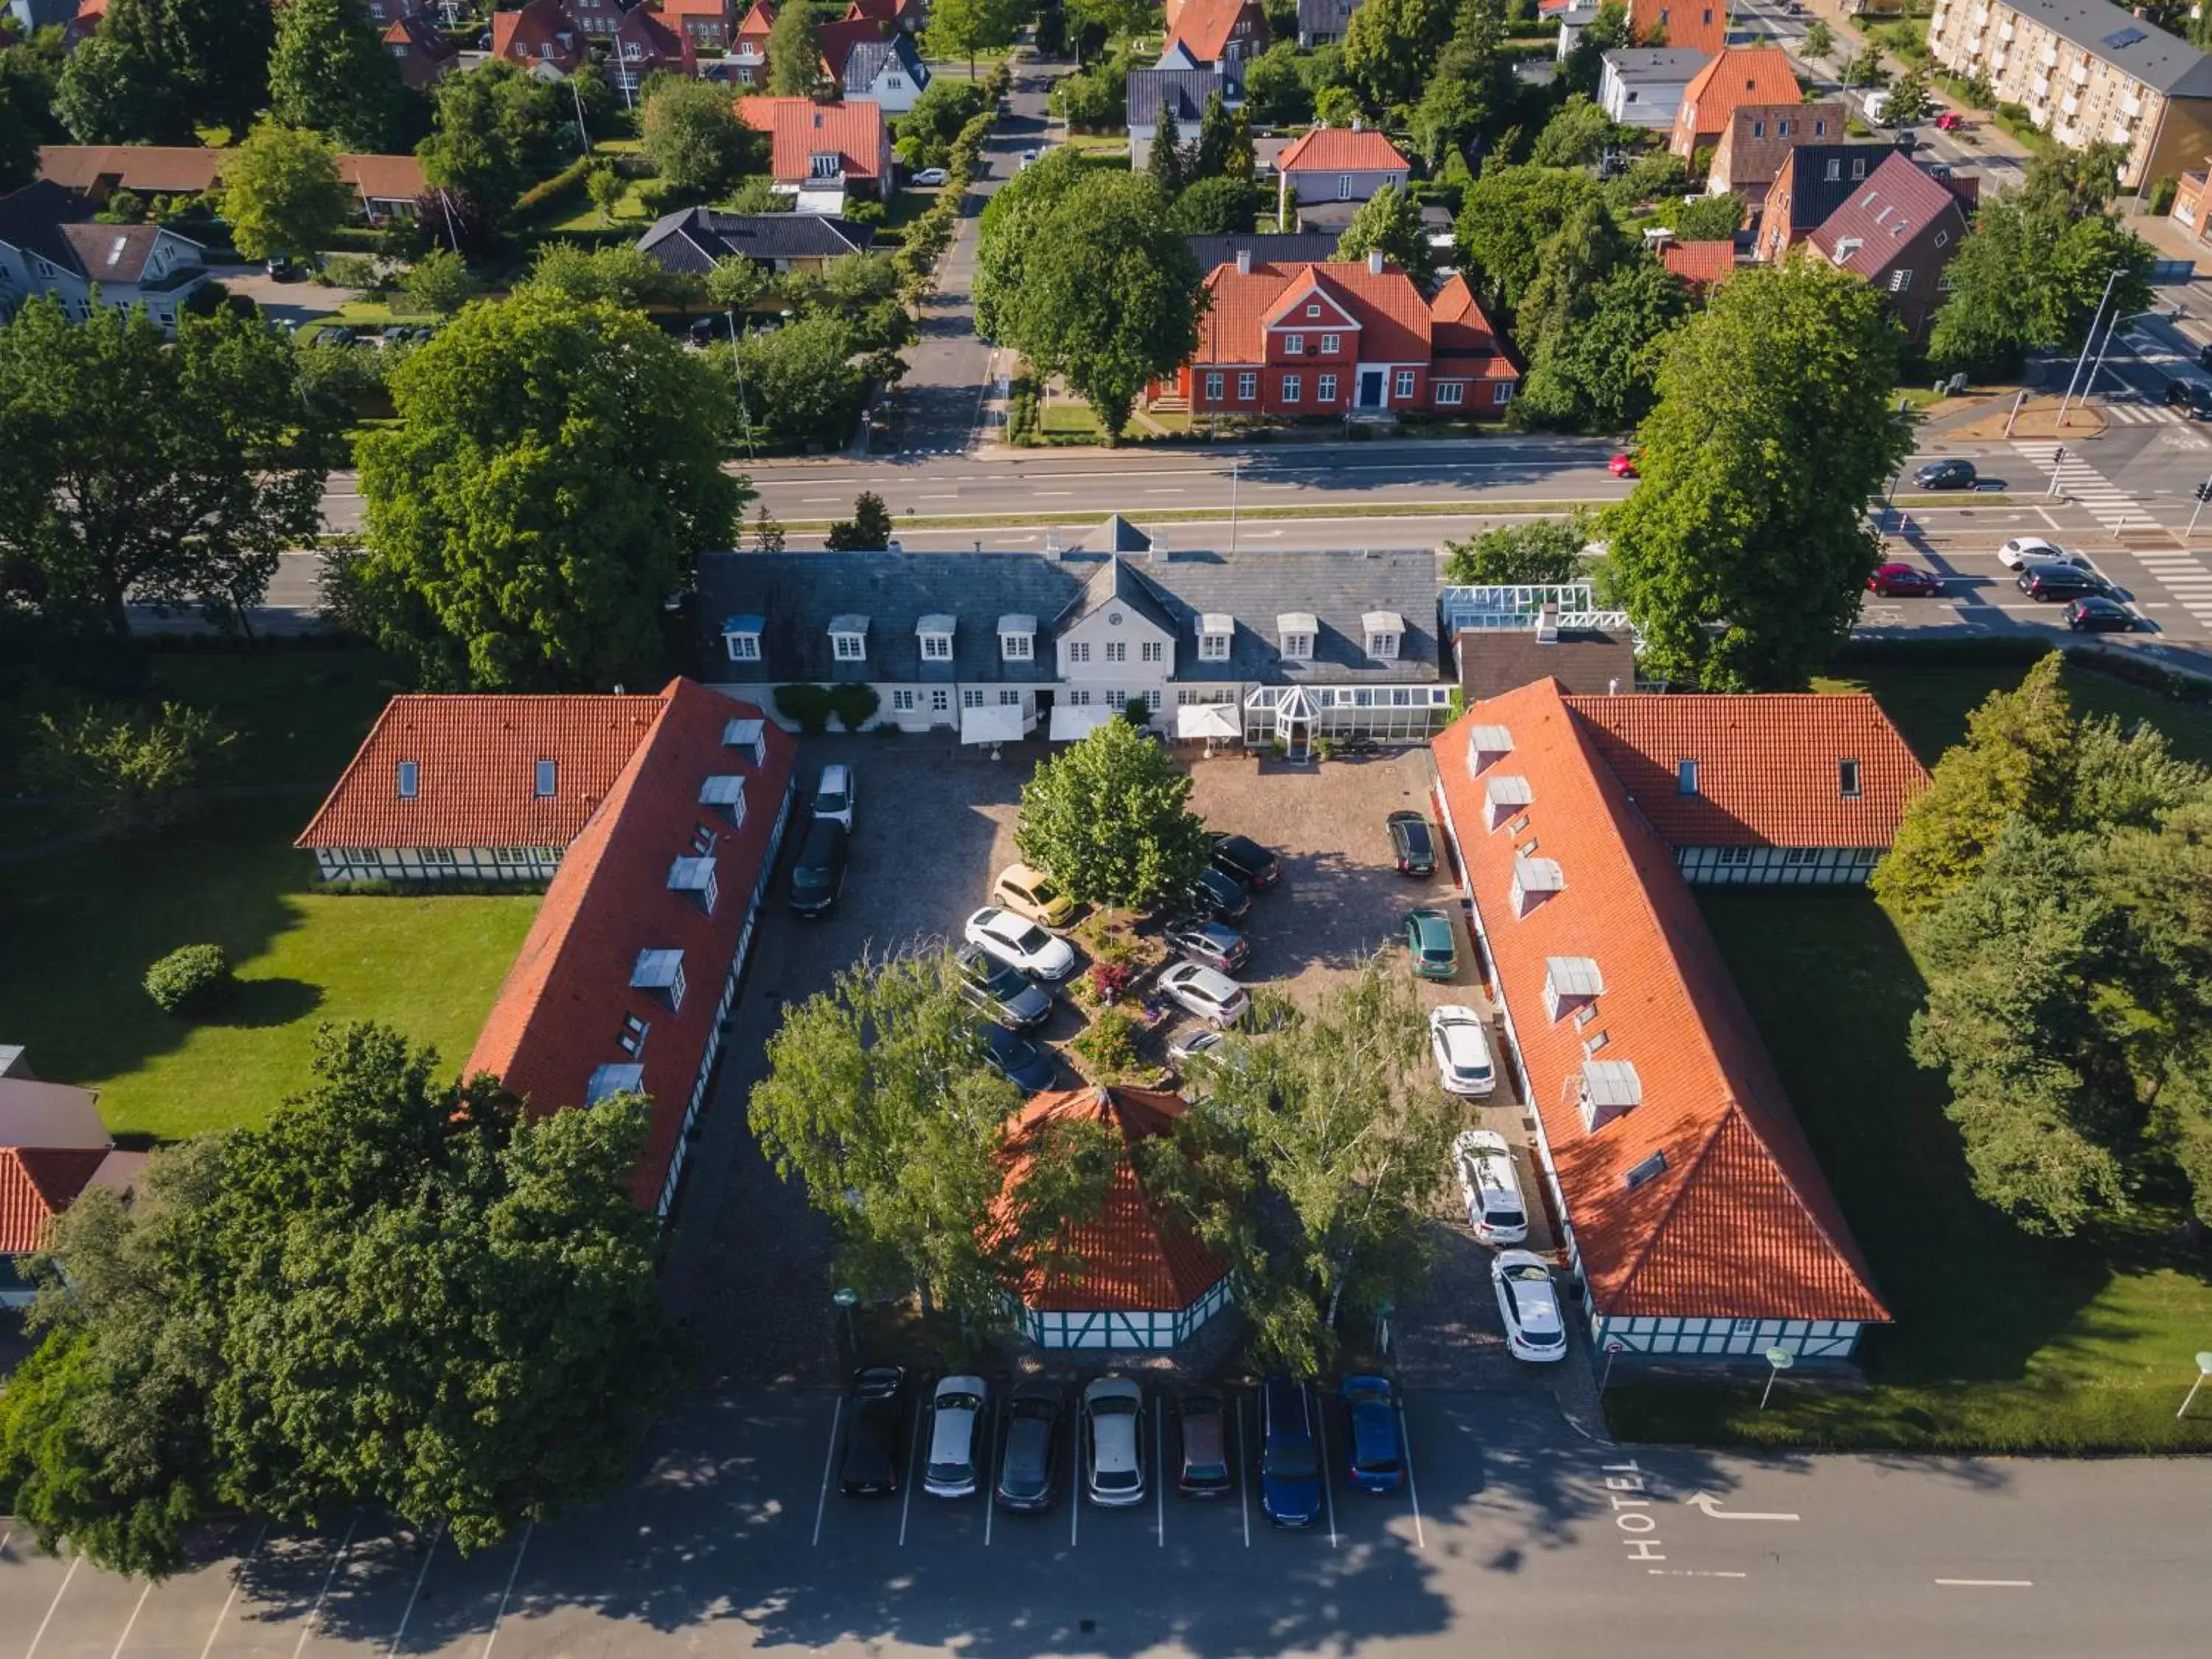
(913, 1467)
(1160, 1464)
(994, 1462)
(1988, 1583)
(407, 1613)
(1075, 1482)
(129, 1624)
(828, 1462)
(1327, 1486)
(31, 1652)
(505, 1596)
(315, 1613)
(1412, 1491)
(215, 1629)
(1244, 1474)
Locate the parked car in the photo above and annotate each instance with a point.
(1430, 946)
(875, 1408)
(1950, 474)
(817, 874)
(956, 1422)
(1214, 997)
(1028, 1467)
(1462, 1049)
(930, 176)
(1030, 155)
(2191, 395)
(1413, 843)
(1290, 1467)
(1192, 1043)
(1904, 581)
(1623, 465)
(280, 267)
(701, 332)
(1021, 943)
(833, 795)
(1246, 860)
(1220, 895)
(1202, 1416)
(1021, 1063)
(2034, 549)
(1213, 943)
(2095, 614)
(1030, 892)
(2059, 582)
(1950, 121)
(1003, 993)
(2204, 357)
(1495, 1213)
(1528, 1302)
(1372, 1456)
(1114, 1433)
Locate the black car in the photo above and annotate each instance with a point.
(1004, 993)
(1018, 1060)
(1946, 475)
(817, 875)
(1211, 944)
(1219, 895)
(1028, 1468)
(2099, 615)
(875, 1410)
(1202, 1415)
(703, 331)
(2189, 395)
(1246, 860)
(1413, 844)
(2060, 582)
(2204, 357)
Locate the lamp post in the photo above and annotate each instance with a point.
(1778, 1360)
(2203, 1371)
(2082, 361)
(1614, 1348)
(846, 1297)
(1235, 467)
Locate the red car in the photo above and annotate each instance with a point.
(1623, 465)
(1904, 581)
(1949, 121)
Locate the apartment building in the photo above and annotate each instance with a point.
(2087, 72)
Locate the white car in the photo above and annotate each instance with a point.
(2034, 549)
(1462, 1051)
(1020, 943)
(1215, 997)
(1114, 1430)
(1495, 1209)
(956, 1415)
(1192, 1044)
(930, 176)
(1529, 1305)
(833, 795)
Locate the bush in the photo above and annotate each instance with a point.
(1110, 981)
(556, 191)
(125, 773)
(1109, 1048)
(855, 705)
(2162, 194)
(805, 705)
(350, 270)
(191, 980)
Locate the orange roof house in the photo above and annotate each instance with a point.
(1697, 1218)
(1694, 25)
(1703, 266)
(541, 37)
(53, 1146)
(701, 22)
(823, 145)
(423, 51)
(1739, 76)
(1463, 342)
(837, 40)
(1203, 32)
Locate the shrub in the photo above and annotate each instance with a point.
(806, 706)
(2162, 194)
(126, 773)
(1109, 1048)
(191, 980)
(855, 705)
(550, 192)
(1110, 981)
(349, 271)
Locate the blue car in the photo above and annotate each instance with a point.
(1028, 1066)
(1290, 1467)
(1371, 1433)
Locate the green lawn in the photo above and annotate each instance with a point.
(1930, 705)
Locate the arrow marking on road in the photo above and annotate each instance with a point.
(1711, 1506)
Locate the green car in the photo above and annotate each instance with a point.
(1429, 942)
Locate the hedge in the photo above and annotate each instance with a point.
(548, 192)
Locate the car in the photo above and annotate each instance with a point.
(1290, 1467)
(2034, 549)
(2204, 357)
(1950, 121)
(1029, 1466)
(1021, 1063)
(833, 795)
(1906, 142)
(1462, 1048)
(1214, 997)
(701, 331)
(1496, 1212)
(1191, 1044)
(956, 1422)
(280, 267)
(1430, 946)
(2096, 614)
(875, 1407)
(1413, 844)
(1030, 892)
(1220, 896)
(1020, 943)
(817, 874)
(1623, 465)
(931, 176)
(2191, 395)
(1372, 1458)
(2059, 582)
(1202, 1416)
(1113, 1437)
(1951, 474)
(1004, 993)
(1246, 860)
(1213, 943)
(1030, 155)
(1528, 1302)
(1904, 581)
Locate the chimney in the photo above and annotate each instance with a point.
(1613, 686)
(1547, 625)
(1244, 262)
(1358, 125)
(1374, 262)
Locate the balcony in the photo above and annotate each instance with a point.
(2040, 87)
(1981, 16)
(1997, 59)
(2069, 104)
(2006, 32)
(2078, 74)
(2048, 57)
(2119, 134)
(2131, 105)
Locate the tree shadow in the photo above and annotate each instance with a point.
(260, 1003)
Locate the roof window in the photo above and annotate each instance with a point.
(1685, 777)
(693, 878)
(1646, 1172)
(1847, 779)
(751, 736)
(619, 1078)
(1534, 880)
(935, 634)
(548, 777)
(407, 777)
(848, 638)
(1570, 984)
(741, 637)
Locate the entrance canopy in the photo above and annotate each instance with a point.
(1069, 724)
(994, 723)
(1208, 720)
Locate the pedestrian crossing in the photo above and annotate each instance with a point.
(2109, 505)
(2186, 577)
(2180, 424)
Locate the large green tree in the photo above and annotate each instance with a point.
(795, 53)
(1539, 552)
(162, 67)
(1508, 215)
(1390, 47)
(498, 129)
(961, 28)
(1108, 818)
(281, 192)
(1010, 232)
(693, 137)
(2030, 276)
(330, 71)
(1574, 137)
(1743, 565)
(553, 471)
(1389, 220)
(801, 384)
(1597, 373)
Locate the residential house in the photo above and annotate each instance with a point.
(837, 40)
(1739, 76)
(600, 18)
(1813, 181)
(50, 245)
(1899, 230)
(2087, 72)
(1642, 86)
(1338, 167)
(85, 23)
(1324, 23)
(705, 23)
(1182, 92)
(1749, 155)
(887, 72)
(1270, 645)
(422, 50)
(1700, 25)
(381, 13)
(696, 240)
(387, 187)
(1695, 1217)
(644, 46)
(1130, 1274)
(1703, 266)
(1263, 248)
(907, 16)
(53, 1148)
(748, 58)
(1469, 368)
(823, 147)
(541, 37)
(1201, 33)
(1573, 17)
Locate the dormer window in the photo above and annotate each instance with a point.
(693, 878)
(725, 796)
(661, 973)
(1384, 630)
(1571, 985)
(848, 638)
(1534, 880)
(1504, 796)
(749, 737)
(825, 165)
(935, 634)
(1610, 1088)
(549, 776)
(741, 638)
(1216, 629)
(407, 777)
(623, 1078)
(1485, 743)
(1847, 779)
(1016, 638)
(1297, 631)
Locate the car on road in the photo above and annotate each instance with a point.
(2205, 356)
(1950, 121)
(956, 1423)
(1373, 1458)
(1028, 1066)
(931, 176)
(1461, 1047)
(1020, 943)
(1528, 1302)
(1212, 944)
(1004, 993)
(817, 874)
(1028, 1467)
(1246, 860)
(1030, 892)
(2096, 614)
(1114, 1435)
(2191, 395)
(1197, 989)
(1220, 895)
(833, 795)
(1290, 1467)
(2059, 582)
(1904, 581)
(1623, 465)
(1495, 1213)
(701, 332)
(1413, 844)
(875, 1407)
(1030, 156)
(2034, 549)
(1951, 473)
(280, 268)
(1430, 947)
(1202, 1417)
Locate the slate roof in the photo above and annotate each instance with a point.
(1896, 202)
(1326, 16)
(1267, 248)
(1812, 195)
(50, 220)
(1392, 317)
(866, 60)
(1494, 660)
(1644, 66)
(694, 239)
(839, 38)
(1184, 90)
(2161, 61)
(1342, 149)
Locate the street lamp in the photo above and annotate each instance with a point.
(2203, 1371)
(1778, 1360)
(847, 1298)
(2082, 361)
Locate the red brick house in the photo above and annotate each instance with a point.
(542, 37)
(1898, 230)
(838, 41)
(52, 1147)
(422, 50)
(905, 16)
(1691, 24)
(749, 47)
(642, 45)
(702, 22)
(1471, 370)
(824, 146)
(1201, 33)
(1738, 77)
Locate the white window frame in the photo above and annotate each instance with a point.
(1402, 384)
(1153, 651)
(1450, 394)
(850, 647)
(971, 698)
(743, 647)
(1248, 386)
(1213, 648)
(1294, 345)
(1017, 647)
(941, 701)
(1078, 651)
(1299, 648)
(1325, 388)
(1331, 344)
(937, 648)
(1215, 382)
(902, 702)
(1117, 651)
(1293, 388)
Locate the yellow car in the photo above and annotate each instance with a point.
(1030, 892)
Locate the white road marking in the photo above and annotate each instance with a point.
(1160, 1465)
(315, 1613)
(821, 501)
(216, 1630)
(1412, 1491)
(913, 1464)
(131, 1622)
(1327, 1486)
(995, 1459)
(506, 1595)
(1712, 1505)
(1243, 1475)
(437, 1531)
(1989, 1584)
(31, 1652)
(828, 1460)
(1687, 1573)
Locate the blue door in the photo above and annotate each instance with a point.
(1370, 388)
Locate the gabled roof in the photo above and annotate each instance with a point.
(1341, 149)
(1701, 25)
(53, 1144)
(1701, 264)
(1266, 248)
(1392, 317)
(1740, 75)
(705, 9)
(868, 59)
(1460, 329)
(1131, 1257)
(757, 21)
(398, 177)
(1641, 66)
(540, 22)
(1738, 1221)
(1881, 216)
(694, 239)
(1204, 27)
(1116, 584)
(839, 38)
(1325, 17)
(1183, 90)
(1760, 137)
(1812, 195)
(800, 129)
(642, 27)
(148, 169)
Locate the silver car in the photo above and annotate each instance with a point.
(955, 1418)
(1113, 1432)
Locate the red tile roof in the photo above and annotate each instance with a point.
(839, 38)
(1341, 149)
(1133, 1258)
(476, 757)
(1768, 767)
(1740, 75)
(757, 22)
(1739, 1222)
(1388, 311)
(1205, 28)
(1685, 23)
(51, 1145)
(520, 34)
(707, 9)
(1883, 215)
(1467, 346)
(801, 129)
(1701, 264)
(560, 1008)
(658, 42)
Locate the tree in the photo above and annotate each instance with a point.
(440, 280)
(1711, 218)
(767, 532)
(795, 53)
(1390, 47)
(1909, 100)
(148, 472)
(19, 131)
(1574, 137)
(801, 385)
(1165, 164)
(1109, 820)
(733, 285)
(2031, 275)
(1597, 375)
(868, 530)
(485, 561)
(281, 192)
(1011, 232)
(1389, 220)
(330, 71)
(1819, 40)
(944, 106)
(605, 187)
(1540, 552)
(1585, 62)
(692, 136)
(1508, 215)
(1217, 142)
(961, 28)
(164, 67)
(623, 275)
(1743, 565)
(126, 775)
(497, 131)
(1586, 248)
(1274, 91)
(1865, 70)
(1218, 207)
